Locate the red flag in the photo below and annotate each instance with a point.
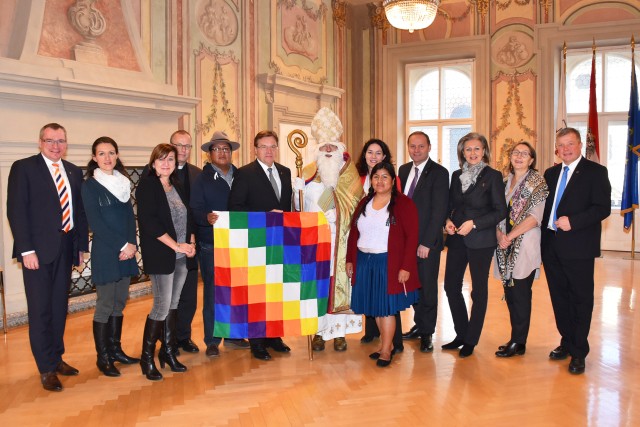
(593, 141)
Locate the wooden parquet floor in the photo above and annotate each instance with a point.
(347, 389)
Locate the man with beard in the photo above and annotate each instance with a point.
(332, 185)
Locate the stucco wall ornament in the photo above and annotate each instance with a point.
(86, 19)
(513, 53)
(218, 22)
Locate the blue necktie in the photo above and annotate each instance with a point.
(563, 184)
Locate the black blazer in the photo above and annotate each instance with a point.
(431, 197)
(586, 201)
(154, 220)
(252, 192)
(34, 212)
(483, 202)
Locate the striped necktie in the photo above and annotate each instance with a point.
(63, 194)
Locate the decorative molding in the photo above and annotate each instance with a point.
(218, 22)
(86, 19)
(339, 8)
(321, 12)
(90, 24)
(219, 88)
(379, 19)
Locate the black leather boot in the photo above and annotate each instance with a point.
(152, 332)
(115, 346)
(104, 363)
(167, 352)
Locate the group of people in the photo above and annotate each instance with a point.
(387, 235)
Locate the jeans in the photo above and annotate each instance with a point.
(166, 290)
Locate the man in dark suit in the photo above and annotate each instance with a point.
(263, 186)
(579, 199)
(427, 183)
(187, 174)
(50, 232)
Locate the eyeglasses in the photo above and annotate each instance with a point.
(524, 154)
(221, 149)
(182, 147)
(267, 147)
(55, 141)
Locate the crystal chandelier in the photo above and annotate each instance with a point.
(411, 14)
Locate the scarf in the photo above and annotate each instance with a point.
(470, 174)
(117, 184)
(530, 192)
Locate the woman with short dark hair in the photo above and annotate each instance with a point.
(518, 256)
(168, 243)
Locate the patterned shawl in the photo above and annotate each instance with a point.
(530, 192)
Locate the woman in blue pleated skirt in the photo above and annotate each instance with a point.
(381, 256)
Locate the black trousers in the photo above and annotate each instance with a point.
(571, 287)
(426, 309)
(468, 329)
(371, 329)
(47, 292)
(187, 306)
(518, 299)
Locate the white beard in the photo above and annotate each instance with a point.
(329, 167)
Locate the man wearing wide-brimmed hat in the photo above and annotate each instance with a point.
(210, 194)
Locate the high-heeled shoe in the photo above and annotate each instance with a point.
(511, 350)
(167, 353)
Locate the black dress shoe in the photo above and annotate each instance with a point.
(511, 350)
(260, 353)
(466, 350)
(503, 346)
(559, 353)
(188, 346)
(66, 370)
(212, 350)
(426, 345)
(366, 339)
(278, 345)
(453, 345)
(577, 365)
(413, 333)
(50, 381)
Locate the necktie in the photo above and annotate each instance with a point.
(63, 194)
(563, 184)
(412, 187)
(274, 184)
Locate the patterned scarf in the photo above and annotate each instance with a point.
(531, 192)
(470, 174)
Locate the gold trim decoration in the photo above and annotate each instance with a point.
(339, 9)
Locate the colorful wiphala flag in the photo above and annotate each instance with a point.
(271, 273)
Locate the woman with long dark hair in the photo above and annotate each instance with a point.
(381, 256)
(373, 152)
(476, 206)
(168, 243)
(106, 196)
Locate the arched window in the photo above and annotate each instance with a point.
(439, 103)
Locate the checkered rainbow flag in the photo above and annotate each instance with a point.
(272, 273)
